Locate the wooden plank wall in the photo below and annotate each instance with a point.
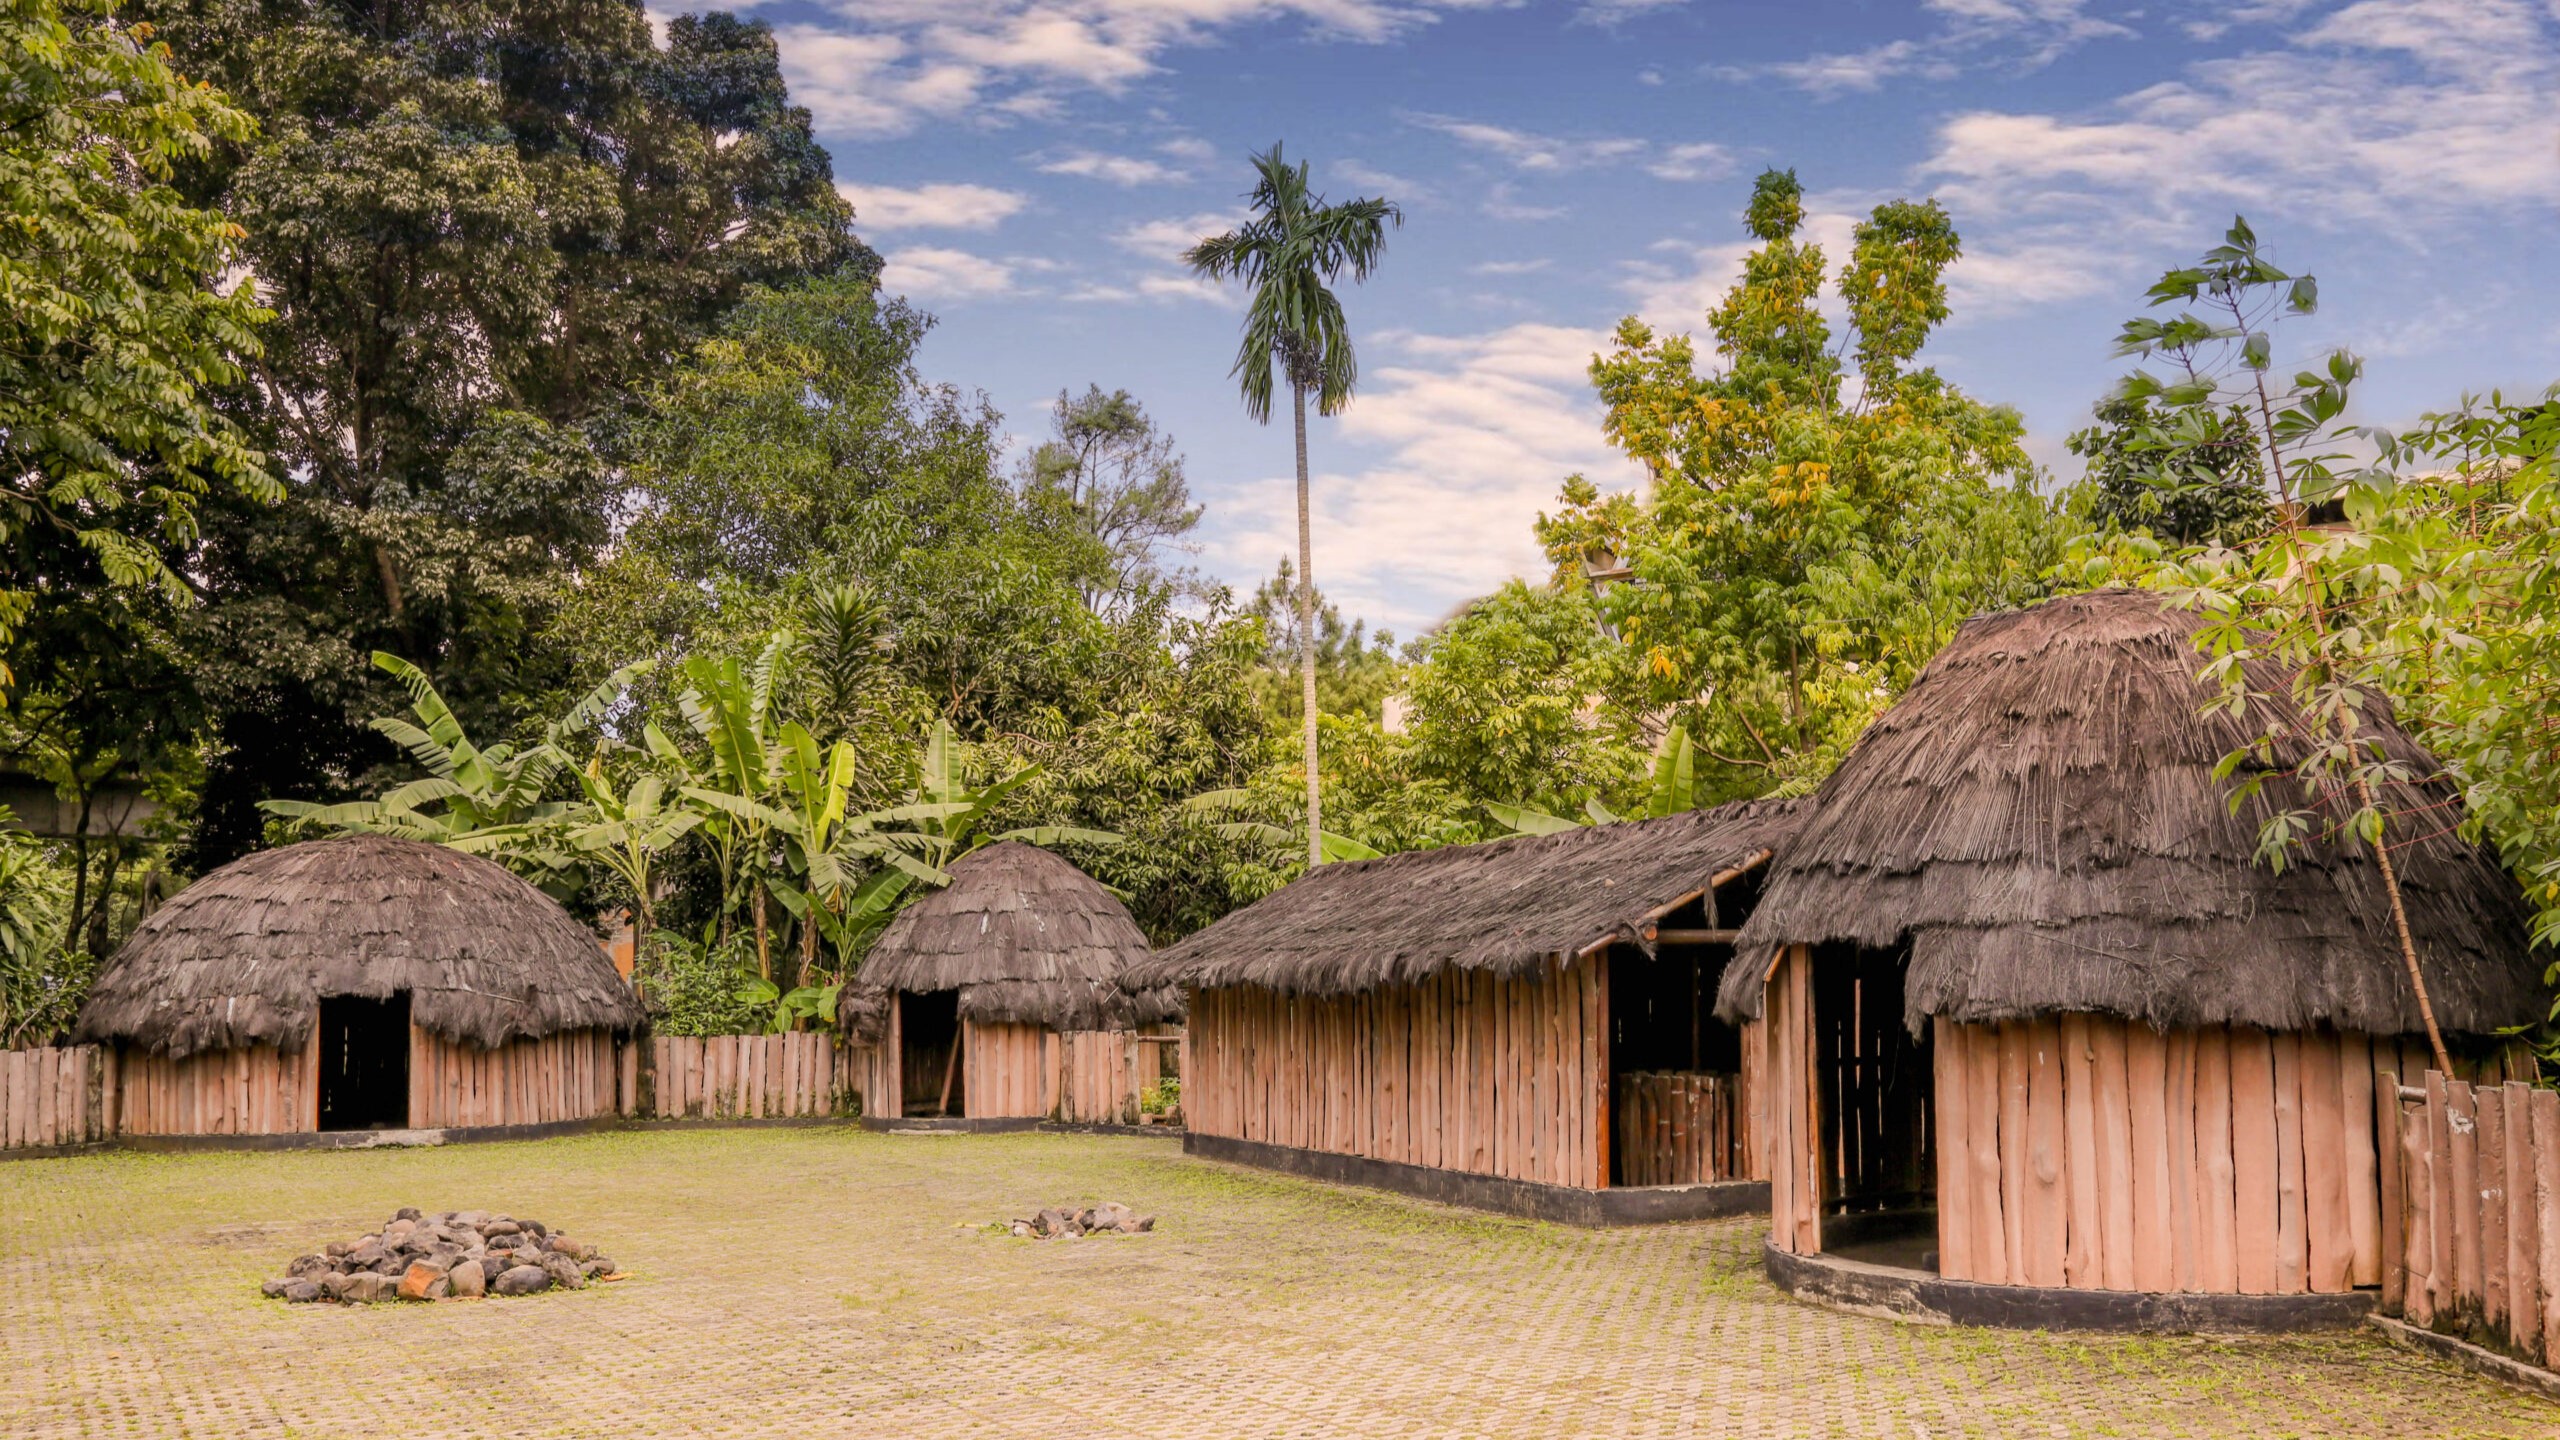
(1789, 1135)
(2086, 1152)
(257, 1091)
(56, 1095)
(750, 1077)
(1010, 1071)
(1679, 1128)
(2478, 1200)
(1464, 1071)
(573, 1076)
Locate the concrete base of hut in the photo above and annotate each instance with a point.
(1563, 1204)
(363, 1139)
(1865, 1288)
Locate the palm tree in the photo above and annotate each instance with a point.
(1288, 252)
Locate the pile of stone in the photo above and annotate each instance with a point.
(454, 1255)
(1109, 1218)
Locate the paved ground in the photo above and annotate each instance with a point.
(828, 1282)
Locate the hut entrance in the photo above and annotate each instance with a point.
(931, 1074)
(364, 1062)
(1875, 1085)
(1675, 1079)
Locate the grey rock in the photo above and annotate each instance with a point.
(274, 1289)
(368, 1288)
(564, 1272)
(522, 1280)
(335, 1286)
(407, 1212)
(469, 1282)
(305, 1266)
(301, 1292)
(368, 1255)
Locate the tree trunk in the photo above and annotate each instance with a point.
(764, 954)
(1307, 634)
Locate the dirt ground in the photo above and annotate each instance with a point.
(825, 1282)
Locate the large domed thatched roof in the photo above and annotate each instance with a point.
(1025, 938)
(2039, 818)
(242, 956)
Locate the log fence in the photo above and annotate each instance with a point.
(58, 1095)
(755, 1077)
(1679, 1128)
(2475, 1193)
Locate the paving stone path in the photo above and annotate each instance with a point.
(826, 1282)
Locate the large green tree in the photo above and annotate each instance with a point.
(1809, 543)
(1289, 254)
(479, 228)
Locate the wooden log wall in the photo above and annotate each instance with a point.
(1788, 1112)
(754, 1077)
(1679, 1128)
(1102, 1074)
(2477, 1195)
(255, 1091)
(1464, 1071)
(56, 1095)
(2087, 1152)
(1008, 1071)
(572, 1076)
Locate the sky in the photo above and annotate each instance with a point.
(1032, 170)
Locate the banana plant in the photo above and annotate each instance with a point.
(1671, 789)
(626, 832)
(484, 799)
(949, 811)
(730, 706)
(1260, 832)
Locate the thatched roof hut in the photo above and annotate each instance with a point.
(1520, 1024)
(2040, 819)
(243, 956)
(1025, 938)
(1502, 908)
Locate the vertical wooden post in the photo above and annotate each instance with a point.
(2490, 1101)
(2367, 1156)
(2041, 1162)
(2146, 1097)
(2524, 1235)
(2391, 1170)
(2544, 1123)
(2255, 1180)
(2186, 1231)
(2082, 1262)
(2467, 1261)
(2328, 1229)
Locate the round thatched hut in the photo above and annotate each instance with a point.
(2039, 1021)
(1004, 1001)
(361, 983)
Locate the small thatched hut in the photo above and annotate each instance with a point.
(1004, 998)
(1523, 1024)
(360, 983)
(2033, 1005)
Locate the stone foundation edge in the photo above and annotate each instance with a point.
(1563, 1204)
(1866, 1289)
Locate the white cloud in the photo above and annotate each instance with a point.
(872, 67)
(1127, 170)
(1615, 12)
(1542, 154)
(2015, 34)
(1502, 201)
(1167, 239)
(1700, 161)
(1510, 267)
(930, 272)
(2402, 116)
(931, 207)
(1475, 433)
(1378, 183)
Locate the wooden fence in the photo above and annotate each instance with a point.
(1679, 1128)
(57, 1096)
(1103, 1075)
(754, 1077)
(2477, 1199)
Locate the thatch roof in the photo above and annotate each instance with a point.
(1501, 907)
(2038, 817)
(1025, 937)
(242, 956)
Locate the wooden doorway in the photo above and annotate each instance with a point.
(363, 1047)
(932, 1074)
(1874, 1087)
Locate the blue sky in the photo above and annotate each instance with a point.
(1032, 169)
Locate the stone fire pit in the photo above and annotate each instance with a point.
(452, 1255)
(1109, 1218)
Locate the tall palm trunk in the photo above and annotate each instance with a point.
(1307, 633)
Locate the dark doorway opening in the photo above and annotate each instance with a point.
(1876, 1086)
(929, 1069)
(1675, 1081)
(364, 1062)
